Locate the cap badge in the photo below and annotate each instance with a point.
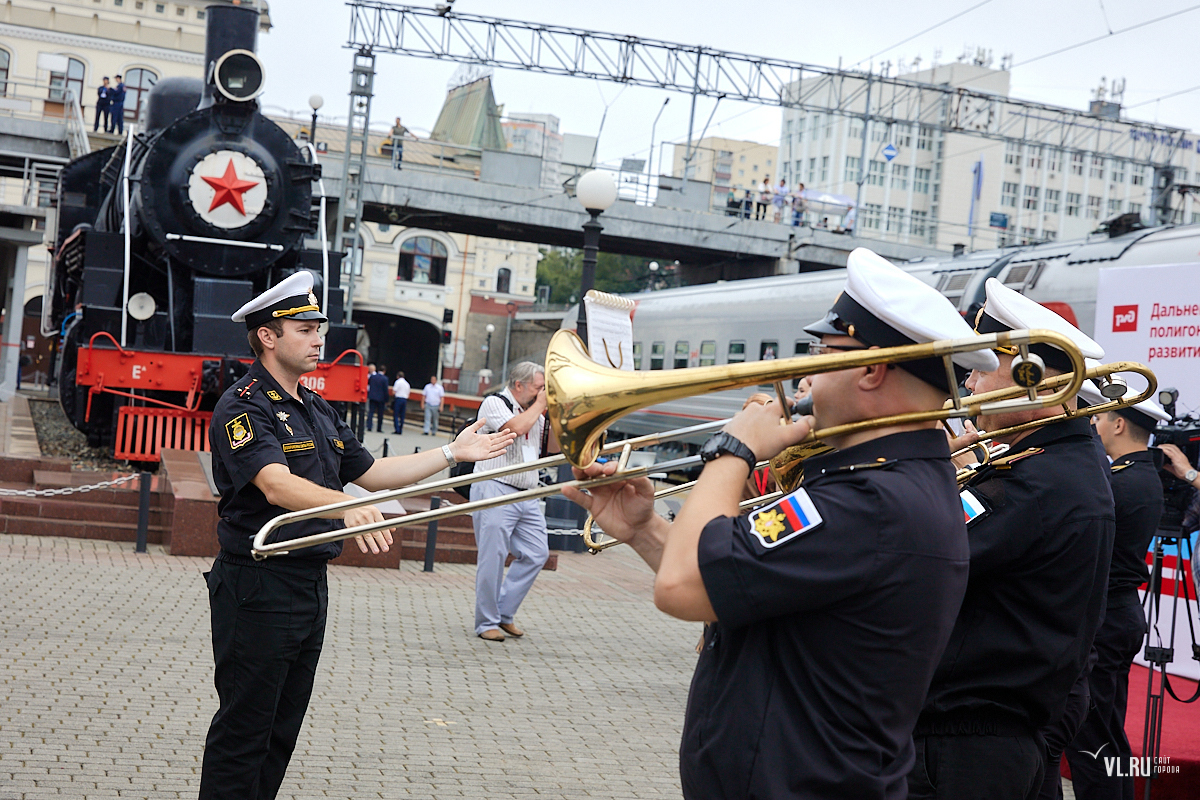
(312, 298)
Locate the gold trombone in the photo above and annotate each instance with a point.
(585, 398)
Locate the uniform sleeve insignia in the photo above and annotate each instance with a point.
(248, 389)
(239, 430)
(283, 416)
(1007, 461)
(274, 395)
(338, 444)
(785, 519)
(289, 429)
(1119, 467)
(973, 507)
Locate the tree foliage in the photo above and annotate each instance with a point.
(561, 269)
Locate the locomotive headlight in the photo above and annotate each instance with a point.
(141, 306)
(239, 76)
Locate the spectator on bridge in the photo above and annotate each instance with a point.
(117, 108)
(765, 193)
(400, 392)
(733, 206)
(747, 205)
(103, 102)
(433, 405)
(799, 206)
(377, 395)
(779, 198)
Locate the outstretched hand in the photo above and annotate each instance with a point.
(470, 445)
(622, 509)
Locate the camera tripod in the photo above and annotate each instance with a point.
(1158, 656)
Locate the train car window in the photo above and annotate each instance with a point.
(768, 349)
(801, 347)
(708, 353)
(637, 355)
(657, 351)
(737, 353)
(422, 260)
(681, 355)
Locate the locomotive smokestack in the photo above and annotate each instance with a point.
(229, 28)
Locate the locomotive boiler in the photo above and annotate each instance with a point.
(161, 238)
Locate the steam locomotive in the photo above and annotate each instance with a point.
(161, 238)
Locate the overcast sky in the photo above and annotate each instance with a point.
(305, 53)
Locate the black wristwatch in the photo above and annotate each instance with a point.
(727, 444)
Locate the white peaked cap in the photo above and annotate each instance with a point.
(291, 298)
(1017, 312)
(910, 306)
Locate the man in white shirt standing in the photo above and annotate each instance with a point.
(518, 528)
(400, 392)
(433, 405)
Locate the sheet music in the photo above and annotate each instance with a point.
(610, 329)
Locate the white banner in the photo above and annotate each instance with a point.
(1152, 314)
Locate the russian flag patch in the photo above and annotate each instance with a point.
(785, 519)
(972, 508)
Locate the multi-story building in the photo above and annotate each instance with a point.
(928, 169)
(727, 164)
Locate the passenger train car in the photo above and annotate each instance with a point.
(724, 323)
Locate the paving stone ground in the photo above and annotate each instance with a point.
(106, 681)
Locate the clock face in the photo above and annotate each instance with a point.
(227, 189)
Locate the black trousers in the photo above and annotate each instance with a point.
(1059, 734)
(976, 767)
(1103, 731)
(375, 409)
(399, 408)
(268, 625)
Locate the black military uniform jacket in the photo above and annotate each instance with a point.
(829, 631)
(1040, 553)
(256, 423)
(1137, 493)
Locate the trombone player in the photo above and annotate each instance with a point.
(830, 607)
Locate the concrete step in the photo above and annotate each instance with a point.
(77, 529)
(127, 494)
(62, 508)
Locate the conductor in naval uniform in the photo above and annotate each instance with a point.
(280, 447)
(829, 608)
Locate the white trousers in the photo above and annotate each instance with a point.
(518, 529)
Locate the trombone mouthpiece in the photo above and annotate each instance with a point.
(803, 407)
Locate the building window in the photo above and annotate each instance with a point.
(1031, 197)
(422, 260)
(179, 10)
(708, 353)
(159, 8)
(1093, 208)
(1135, 208)
(824, 169)
(852, 163)
(1137, 174)
(5, 57)
(902, 136)
(924, 138)
(681, 355)
(899, 177)
(1096, 170)
(503, 279)
(871, 214)
(71, 80)
(138, 83)
(879, 132)
(657, 351)
(1076, 163)
(895, 219)
(1052, 198)
(1073, 201)
(1053, 159)
(737, 353)
(1012, 153)
(1049, 235)
(1009, 196)
(812, 170)
(1028, 235)
(920, 219)
(1118, 171)
(855, 129)
(875, 173)
(1035, 156)
(1114, 206)
(921, 180)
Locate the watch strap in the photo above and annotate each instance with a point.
(727, 444)
(1190, 475)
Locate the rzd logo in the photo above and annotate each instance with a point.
(1124, 318)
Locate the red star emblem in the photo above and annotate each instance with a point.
(229, 189)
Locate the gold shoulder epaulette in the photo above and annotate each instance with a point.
(876, 464)
(1006, 462)
(1119, 467)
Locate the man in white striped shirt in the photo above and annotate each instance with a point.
(517, 528)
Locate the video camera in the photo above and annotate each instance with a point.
(1184, 433)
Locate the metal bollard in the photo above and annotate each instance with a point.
(431, 534)
(143, 512)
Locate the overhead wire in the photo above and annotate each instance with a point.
(922, 33)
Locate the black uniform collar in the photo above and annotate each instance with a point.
(1152, 456)
(1079, 426)
(270, 387)
(893, 447)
